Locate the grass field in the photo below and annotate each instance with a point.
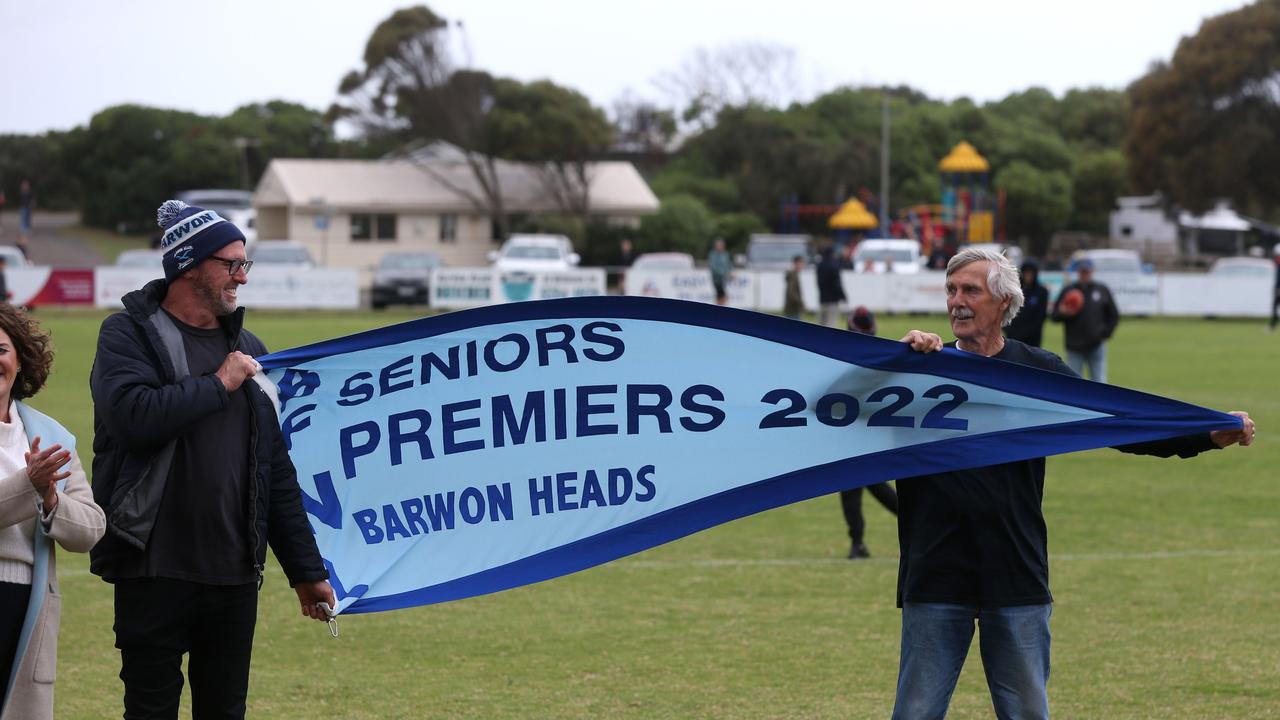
(1166, 575)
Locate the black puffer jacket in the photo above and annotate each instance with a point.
(140, 410)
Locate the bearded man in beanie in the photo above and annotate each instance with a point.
(191, 468)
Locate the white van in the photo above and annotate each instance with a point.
(887, 255)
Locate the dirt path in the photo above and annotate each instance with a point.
(48, 246)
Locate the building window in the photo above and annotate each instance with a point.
(1126, 230)
(361, 228)
(448, 228)
(366, 227)
(387, 227)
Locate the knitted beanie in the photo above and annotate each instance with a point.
(191, 234)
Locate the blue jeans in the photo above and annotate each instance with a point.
(1096, 360)
(1015, 657)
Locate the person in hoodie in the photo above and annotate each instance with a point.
(1028, 326)
(192, 471)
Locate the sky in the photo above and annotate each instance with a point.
(65, 60)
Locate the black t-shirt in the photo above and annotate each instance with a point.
(202, 529)
(977, 537)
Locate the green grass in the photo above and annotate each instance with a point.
(1166, 575)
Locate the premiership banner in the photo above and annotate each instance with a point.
(481, 450)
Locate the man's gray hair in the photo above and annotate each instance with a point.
(1002, 277)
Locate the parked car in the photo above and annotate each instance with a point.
(533, 253)
(403, 278)
(887, 255)
(149, 259)
(281, 253)
(234, 205)
(1110, 261)
(13, 257)
(775, 252)
(1242, 267)
(663, 261)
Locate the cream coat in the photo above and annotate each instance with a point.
(76, 526)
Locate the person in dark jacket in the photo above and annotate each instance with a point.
(1275, 301)
(192, 471)
(863, 321)
(1086, 330)
(792, 298)
(974, 545)
(1028, 325)
(830, 290)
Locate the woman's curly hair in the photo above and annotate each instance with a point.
(34, 348)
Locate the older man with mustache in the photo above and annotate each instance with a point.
(974, 546)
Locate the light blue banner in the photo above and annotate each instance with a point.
(480, 450)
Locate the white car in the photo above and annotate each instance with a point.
(148, 259)
(533, 253)
(1243, 267)
(888, 255)
(13, 257)
(663, 261)
(1109, 262)
(281, 253)
(233, 205)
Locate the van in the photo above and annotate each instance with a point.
(775, 252)
(887, 255)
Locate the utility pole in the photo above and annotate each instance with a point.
(884, 163)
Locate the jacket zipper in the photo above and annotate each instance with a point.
(255, 540)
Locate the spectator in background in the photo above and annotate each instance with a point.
(4, 282)
(1028, 326)
(938, 256)
(626, 253)
(1275, 301)
(721, 268)
(626, 256)
(793, 300)
(26, 203)
(830, 291)
(1087, 329)
(862, 321)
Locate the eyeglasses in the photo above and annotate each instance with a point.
(234, 266)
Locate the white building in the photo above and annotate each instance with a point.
(349, 212)
(1145, 223)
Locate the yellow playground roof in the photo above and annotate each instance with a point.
(852, 216)
(964, 159)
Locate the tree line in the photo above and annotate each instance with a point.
(725, 152)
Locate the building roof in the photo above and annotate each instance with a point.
(439, 183)
(1221, 217)
(963, 158)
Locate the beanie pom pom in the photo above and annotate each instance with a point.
(169, 211)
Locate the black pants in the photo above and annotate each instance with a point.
(14, 599)
(851, 503)
(158, 620)
(1275, 307)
